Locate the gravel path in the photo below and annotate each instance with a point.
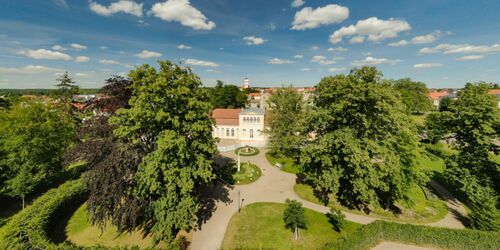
(276, 186)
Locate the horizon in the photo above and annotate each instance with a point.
(281, 42)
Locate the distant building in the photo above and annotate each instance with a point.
(496, 92)
(437, 96)
(243, 125)
(246, 84)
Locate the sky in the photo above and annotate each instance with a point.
(444, 43)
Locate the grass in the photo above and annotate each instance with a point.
(423, 210)
(82, 233)
(288, 164)
(431, 162)
(248, 173)
(247, 151)
(260, 225)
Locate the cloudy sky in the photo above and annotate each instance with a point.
(444, 43)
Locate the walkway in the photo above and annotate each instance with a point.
(273, 186)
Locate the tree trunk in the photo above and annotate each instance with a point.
(296, 233)
(22, 198)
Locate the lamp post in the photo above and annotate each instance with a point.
(239, 204)
(239, 162)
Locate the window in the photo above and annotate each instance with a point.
(232, 132)
(227, 132)
(251, 133)
(244, 119)
(258, 119)
(244, 132)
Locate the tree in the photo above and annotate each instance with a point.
(169, 120)
(285, 121)
(365, 144)
(445, 104)
(337, 219)
(437, 125)
(476, 122)
(227, 96)
(294, 217)
(4, 103)
(33, 139)
(414, 95)
(66, 87)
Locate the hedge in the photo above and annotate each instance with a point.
(28, 228)
(372, 234)
(242, 153)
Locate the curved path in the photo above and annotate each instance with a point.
(275, 186)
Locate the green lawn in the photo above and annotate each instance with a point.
(431, 162)
(422, 210)
(81, 233)
(288, 164)
(260, 225)
(248, 173)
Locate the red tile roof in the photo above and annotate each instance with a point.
(494, 92)
(437, 95)
(254, 94)
(226, 116)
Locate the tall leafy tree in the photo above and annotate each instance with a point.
(364, 143)
(285, 117)
(294, 217)
(169, 120)
(66, 87)
(414, 95)
(227, 96)
(33, 139)
(445, 104)
(476, 123)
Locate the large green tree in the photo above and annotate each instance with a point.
(33, 139)
(66, 87)
(414, 95)
(294, 217)
(285, 117)
(364, 143)
(169, 120)
(227, 96)
(476, 123)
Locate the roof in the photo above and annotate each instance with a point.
(254, 94)
(437, 95)
(226, 116)
(494, 92)
(252, 111)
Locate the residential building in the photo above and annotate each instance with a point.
(243, 125)
(437, 96)
(496, 92)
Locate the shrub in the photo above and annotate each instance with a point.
(254, 151)
(336, 218)
(370, 235)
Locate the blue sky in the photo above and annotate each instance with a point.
(444, 43)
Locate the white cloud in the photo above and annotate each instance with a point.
(427, 65)
(322, 60)
(78, 46)
(374, 61)
(81, 74)
(298, 56)
(113, 62)
(461, 48)
(338, 49)
(309, 18)
(182, 46)
(373, 29)
(195, 62)
(357, 39)
(148, 54)
(279, 61)
(471, 57)
(252, 40)
(103, 47)
(129, 7)
(336, 69)
(30, 69)
(429, 38)
(305, 69)
(314, 48)
(297, 3)
(82, 59)
(213, 71)
(58, 47)
(45, 54)
(182, 11)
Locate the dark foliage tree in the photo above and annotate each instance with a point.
(66, 87)
(364, 146)
(4, 103)
(294, 217)
(445, 104)
(118, 92)
(414, 95)
(168, 120)
(285, 116)
(227, 96)
(337, 219)
(33, 139)
(437, 126)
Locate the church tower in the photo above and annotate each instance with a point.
(246, 83)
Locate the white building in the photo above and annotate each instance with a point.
(243, 125)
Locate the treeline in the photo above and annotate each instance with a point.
(41, 92)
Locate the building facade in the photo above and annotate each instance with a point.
(243, 125)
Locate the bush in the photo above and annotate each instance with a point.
(372, 234)
(254, 151)
(336, 218)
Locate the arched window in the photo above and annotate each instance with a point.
(232, 132)
(227, 132)
(258, 119)
(244, 132)
(244, 119)
(251, 133)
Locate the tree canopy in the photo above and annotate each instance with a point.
(227, 96)
(285, 117)
(414, 95)
(294, 217)
(66, 87)
(364, 143)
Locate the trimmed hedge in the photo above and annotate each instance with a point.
(28, 228)
(242, 153)
(372, 234)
